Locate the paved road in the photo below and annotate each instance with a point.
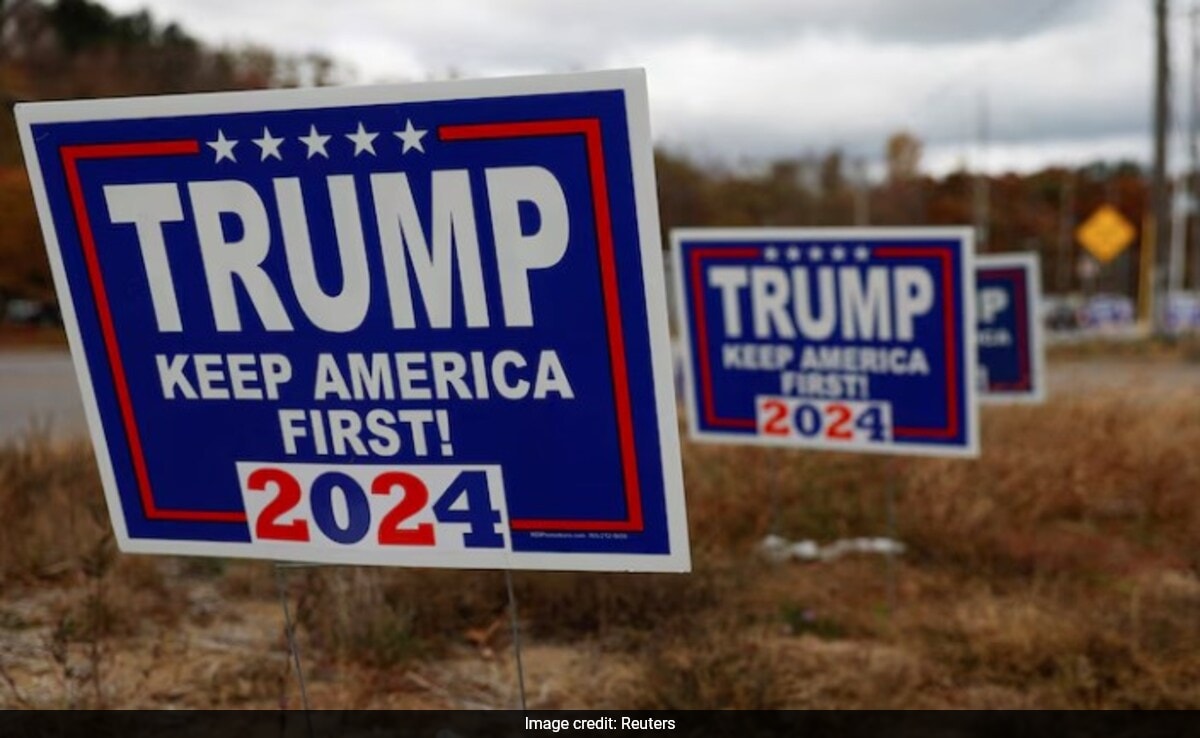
(39, 387)
(1126, 375)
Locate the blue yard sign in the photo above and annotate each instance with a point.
(1012, 362)
(840, 339)
(411, 325)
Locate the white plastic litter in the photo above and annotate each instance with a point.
(779, 549)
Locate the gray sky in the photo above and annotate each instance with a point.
(1062, 81)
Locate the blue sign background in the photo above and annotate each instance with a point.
(592, 463)
(933, 413)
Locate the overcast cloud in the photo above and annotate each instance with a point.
(1061, 81)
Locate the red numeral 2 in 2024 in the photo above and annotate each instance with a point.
(833, 421)
(411, 497)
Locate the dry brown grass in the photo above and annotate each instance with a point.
(1103, 486)
(1058, 570)
(53, 509)
(1174, 348)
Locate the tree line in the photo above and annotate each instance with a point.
(1036, 212)
(68, 49)
(62, 49)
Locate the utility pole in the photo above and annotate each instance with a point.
(1066, 232)
(1180, 214)
(981, 179)
(1159, 195)
(1194, 150)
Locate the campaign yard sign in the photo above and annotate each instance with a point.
(840, 339)
(412, 325)
(1012, 361)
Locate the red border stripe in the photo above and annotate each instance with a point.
(1018, 278)
(71, 156)
(952, 410)
(589, 128)
(706, 387)
(706, 393)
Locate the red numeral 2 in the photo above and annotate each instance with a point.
(776, 424)
(841, 418)
(288, 496)
(414, 495)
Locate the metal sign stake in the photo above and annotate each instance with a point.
(776, 474)
(890, 511)
(281, 584)
(516, 634)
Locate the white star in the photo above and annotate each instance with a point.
(315, 143)
(838, 253)
(793, 253)
(223, 146)
(814, 254)
(411, 137)
(861, 253)
(269, 145)
(363, 140)
(771, 253)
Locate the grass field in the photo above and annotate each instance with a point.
(1059, 570)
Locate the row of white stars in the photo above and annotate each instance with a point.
(815, 253)
(315, 141)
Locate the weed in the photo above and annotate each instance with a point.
(730, 672)
(805, 621)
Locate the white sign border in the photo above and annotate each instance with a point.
(970, 364)
(632, 82)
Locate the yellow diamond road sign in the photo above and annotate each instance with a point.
(1106, 233)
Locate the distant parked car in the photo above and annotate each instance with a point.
(1060, 313)
(1183, 312)
(21, 311)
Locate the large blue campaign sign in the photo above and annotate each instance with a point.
(412, 325)
(1012, 362)
(841, 339)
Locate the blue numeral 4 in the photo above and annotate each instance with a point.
(871, 421)
(479, 513)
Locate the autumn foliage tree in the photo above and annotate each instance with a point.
(23, 266)
(80, 49)
(1028, 212)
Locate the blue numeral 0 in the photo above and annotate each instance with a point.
(357, 507)
(808, 420)
(480, 514)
